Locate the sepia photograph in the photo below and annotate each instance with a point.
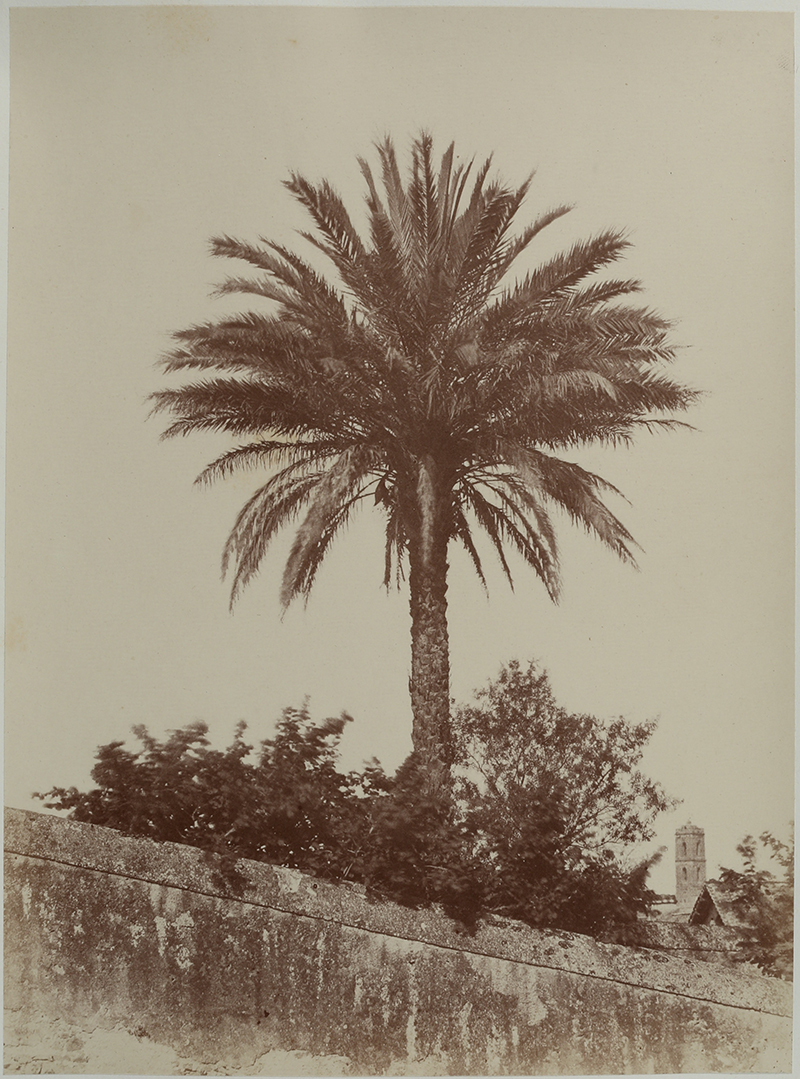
(400, 537)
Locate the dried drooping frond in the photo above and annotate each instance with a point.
(271, 508)
(337, 490)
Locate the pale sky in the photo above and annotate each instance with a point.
(138, 133)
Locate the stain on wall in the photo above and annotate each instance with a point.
(124, 939)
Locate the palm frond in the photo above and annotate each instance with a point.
(271, 507)
(560, 273)
(395, 546)
(302, 579)
(242, 407)
(250, 286)
(484, 260)
(603, 291)
(462, 532)
(398, 209)
(267, 453)
(506, 525)
(515, 490)
(486, 515)
(576, 490)
(229, 247)
(314, 303)
(246, 342)
(325, 205)
(515, 247)
(336, 491)
(519, 502)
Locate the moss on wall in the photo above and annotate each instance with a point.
(114, 934)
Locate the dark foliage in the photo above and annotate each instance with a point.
(506, 842)
(556, 800)
(764, 902)
(421, 850)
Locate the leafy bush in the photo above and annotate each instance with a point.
(764, 903)
(556, 801)
(534, 827)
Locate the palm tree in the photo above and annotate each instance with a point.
(421, 383)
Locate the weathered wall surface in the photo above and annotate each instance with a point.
(711, 943)
(128, 948)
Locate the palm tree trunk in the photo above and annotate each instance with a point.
(430, 649)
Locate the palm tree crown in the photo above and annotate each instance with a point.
(420, 382)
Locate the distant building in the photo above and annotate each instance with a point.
(716, 905)
(690, 865)
(705, 919)
(690, 875)
(725, 904)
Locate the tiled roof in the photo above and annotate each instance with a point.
(725, 902)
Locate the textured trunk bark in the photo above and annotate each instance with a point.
(430, 649)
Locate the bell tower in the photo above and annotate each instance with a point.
(690, 863)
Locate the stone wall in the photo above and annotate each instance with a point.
(710, 943)
(124, 955)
